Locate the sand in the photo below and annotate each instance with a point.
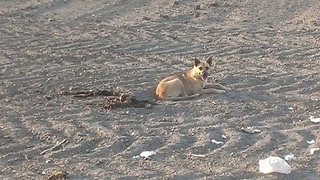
(266, 51)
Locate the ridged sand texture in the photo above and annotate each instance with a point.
(266, 51)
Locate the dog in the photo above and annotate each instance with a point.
(190, 84)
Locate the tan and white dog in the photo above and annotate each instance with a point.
(190, 84)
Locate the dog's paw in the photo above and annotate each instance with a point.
(225, 88)
(221, 91)
(195, 95)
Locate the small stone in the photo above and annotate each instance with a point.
(197, 14)
(197, 7)
(146, 18)
(148, 106)
(48, 98)
(214, 4)
(164, 16)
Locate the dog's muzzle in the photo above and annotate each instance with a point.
(204, 75)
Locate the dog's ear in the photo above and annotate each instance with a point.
(209, 60)
(196, 62)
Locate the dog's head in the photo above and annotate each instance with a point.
(202, 68)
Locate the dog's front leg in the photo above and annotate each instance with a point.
(212, 90)
(217, 86)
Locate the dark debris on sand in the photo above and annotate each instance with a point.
(113, 99)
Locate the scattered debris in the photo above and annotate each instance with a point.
(85, 94)
(250, 130)
(114, 99)
(274, 164)
(311, 142)
(48, 97)
(126, 100)
(55, 147)
(214, 3)
(146, 154)
(216, 142)
(146, 18)
(290, 157)
(224, 136)
(197, 7)
(290, 108)
(313, 150)
(175, 2)
(198, 155)
(315, 120)
(59, 175)
(164, 16)
(197, 14)
(173, 36)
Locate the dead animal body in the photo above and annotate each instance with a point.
(113, 99)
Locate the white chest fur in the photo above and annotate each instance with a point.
(205, 83)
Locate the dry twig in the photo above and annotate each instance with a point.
(55, 147)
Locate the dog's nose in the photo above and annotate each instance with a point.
(205, 74)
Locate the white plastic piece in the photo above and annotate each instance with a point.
(274, 164)
(250, 130)
(311, 142)
(290, 157)
(315, 120)
(256, 130)
(224, 136)
(198, 155)
(216, 142)
(313, 150)
(147, 154)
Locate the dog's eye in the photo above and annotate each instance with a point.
(200, 68)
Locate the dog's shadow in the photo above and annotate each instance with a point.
(146, 93)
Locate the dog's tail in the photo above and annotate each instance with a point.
(181, 98)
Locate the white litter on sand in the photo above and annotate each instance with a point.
(274, 164)
(198, 155)
(216, 142)
(315, 120)
(256, 131)
(224, 136)
(290, 157)
(146, 154)
(311, 142)
(313, 150)
(250, 130)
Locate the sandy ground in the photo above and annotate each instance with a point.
(266, 51)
